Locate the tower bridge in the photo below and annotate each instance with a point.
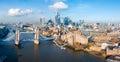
(34, 35)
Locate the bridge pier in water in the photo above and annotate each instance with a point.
(36, 36)
(17, 40)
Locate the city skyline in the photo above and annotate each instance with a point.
(32, 10)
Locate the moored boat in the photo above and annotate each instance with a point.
(113, 58)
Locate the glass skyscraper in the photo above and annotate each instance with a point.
(57, 18)
(66, 21)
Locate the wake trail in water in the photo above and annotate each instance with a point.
(10, 36)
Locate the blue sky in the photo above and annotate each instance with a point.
(32, 10)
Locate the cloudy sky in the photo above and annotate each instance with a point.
(32, 10)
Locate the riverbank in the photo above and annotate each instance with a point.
(94, 53)
(100, 54)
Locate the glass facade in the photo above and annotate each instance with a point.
(57, 18)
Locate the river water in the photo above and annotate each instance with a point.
(47, 51)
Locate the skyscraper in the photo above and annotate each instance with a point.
(50, 22)
(57, 18)
(81, 22)
(66, 21)
(42, 21)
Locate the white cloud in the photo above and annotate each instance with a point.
(58, 6)
(19, 12)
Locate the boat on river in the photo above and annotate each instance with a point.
(47, 38)
(61, 46)
(113, 58)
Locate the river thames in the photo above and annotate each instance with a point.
(47, 51)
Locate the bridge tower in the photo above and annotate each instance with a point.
(36, 36)
(17, 36)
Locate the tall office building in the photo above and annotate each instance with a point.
(50, 22)
(81, 22)
(42, 21)
(66, 21)
(57, 18)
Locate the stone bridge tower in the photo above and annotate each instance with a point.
(17, 36)
(36, 35)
